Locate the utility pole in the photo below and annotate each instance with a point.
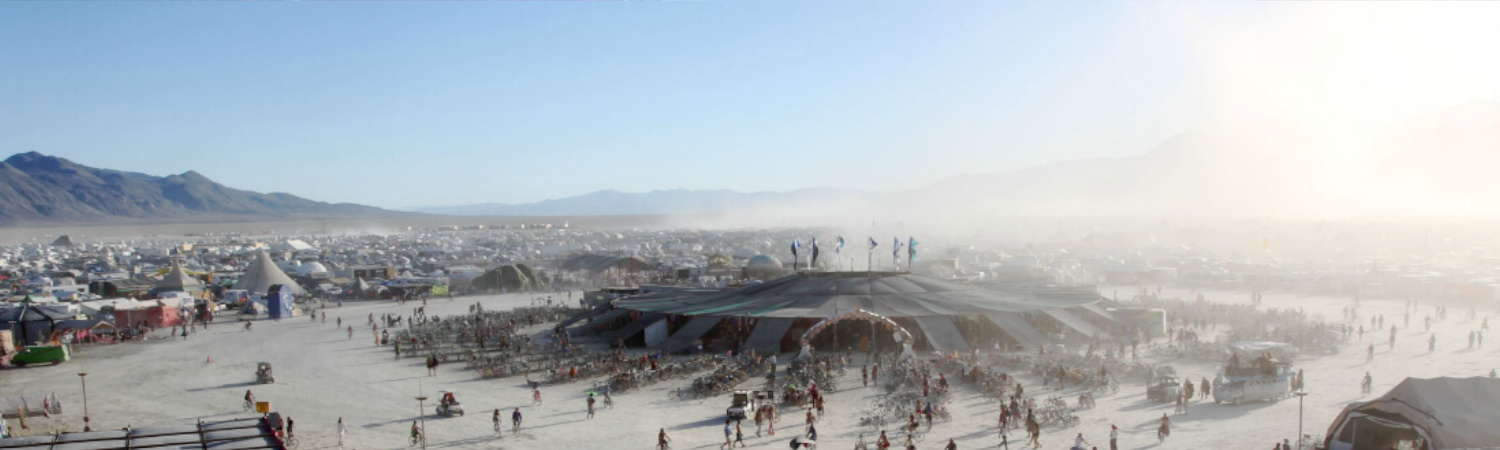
(83, 380)
(1299, 395)
(421, 412)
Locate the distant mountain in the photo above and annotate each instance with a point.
(675, 201)
(1435, 163)
(41, 189)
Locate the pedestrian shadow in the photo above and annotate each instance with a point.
(1144, 405)
(699, 424)
(225, 386)
(1462, 351)
(393, 421)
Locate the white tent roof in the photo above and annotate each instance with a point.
(1455, 412)
(263, 274)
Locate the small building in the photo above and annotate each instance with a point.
(157, 314)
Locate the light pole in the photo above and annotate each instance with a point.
(1299, 395)
(421, 412)
(82, 379)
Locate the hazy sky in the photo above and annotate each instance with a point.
(402, 104)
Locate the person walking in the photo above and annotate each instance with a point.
(662, 439)
(591, 405)
(536, 394)
(515, 421)
(342, 431)
(864, 375)
(739, 436)
(1432, 343)
(1365, 384)
(728, 432)
(1114, 436)
(760, 417)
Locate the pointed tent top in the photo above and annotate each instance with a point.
(178, 280)
(63, 241)
(262, 274)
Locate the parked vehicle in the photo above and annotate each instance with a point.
(743, 401)
(36, 354)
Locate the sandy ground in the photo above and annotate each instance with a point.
(323, 375)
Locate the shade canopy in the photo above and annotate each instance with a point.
(825, 294)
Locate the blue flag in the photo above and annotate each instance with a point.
(839, 248)
(873, 244)
(796, 244)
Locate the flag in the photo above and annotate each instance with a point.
(873, 244)
(796, 244)
(814, 263)
(896, 252)
(839, 248)
(911, 251)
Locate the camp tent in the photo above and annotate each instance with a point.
(31, 325)
(177, 280)
(1445, 413)
(262, 274)
(508, 277)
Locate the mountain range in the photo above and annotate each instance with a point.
(1439, 163)
(40, 189)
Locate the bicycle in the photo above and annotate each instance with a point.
(249, 404)
(497, 429)
(291, 442)
(417, 439)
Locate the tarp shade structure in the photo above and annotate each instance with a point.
(1097, 311)
(942, 335)
(262, 274)
(695, 328)
(819, 295)
(1016, 327)
(766, 337)
(602, 263)
(233, 434)
(31, 325)
(601, 309)
(634, 327)
(1076, 323)
(1454, 412)
(598, 320)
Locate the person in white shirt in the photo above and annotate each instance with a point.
(1114, 433)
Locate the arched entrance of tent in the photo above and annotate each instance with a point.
(881, 323)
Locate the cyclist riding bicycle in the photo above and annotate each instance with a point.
(495, 418)
(416, 431)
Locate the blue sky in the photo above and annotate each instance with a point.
(401, 104)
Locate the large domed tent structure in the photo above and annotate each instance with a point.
(262, 274)
(510, 278)
(943, 316)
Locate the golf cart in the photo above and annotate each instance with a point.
(263, 373)
(448, 405)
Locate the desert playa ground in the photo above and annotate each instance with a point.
(322, 375)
